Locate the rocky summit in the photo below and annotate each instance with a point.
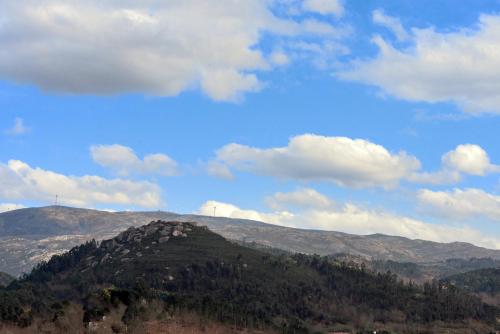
(129, 243)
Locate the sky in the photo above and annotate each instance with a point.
(355, 116)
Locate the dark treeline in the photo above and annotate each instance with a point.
(482, 280)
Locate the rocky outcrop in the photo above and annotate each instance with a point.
(130, 243)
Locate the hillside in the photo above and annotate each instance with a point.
(422, 272)
(28, 236)
(478, 281)
(167, 270)
(484, 283)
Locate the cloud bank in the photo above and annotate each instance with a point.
(471, 203)
(19, 181)
(349, 218)
(348, 162)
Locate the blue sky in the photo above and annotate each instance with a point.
(358, 116)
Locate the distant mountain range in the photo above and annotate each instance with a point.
(28, 236)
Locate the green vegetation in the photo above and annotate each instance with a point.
(422, 272)
(195, 270)
(482, 280)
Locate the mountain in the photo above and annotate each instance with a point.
(28, 236)
(165, 270)
(5, 279)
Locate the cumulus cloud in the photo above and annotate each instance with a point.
(355, 163)
(344, 161)
(469, 159)
(391, 23)
(301, 198)
(351, 218)
(459, 66)
(464, 159)
(124, 161)
(4, 207)
(19, 181)
(18, 128)
(155, 47)
(324, 7)
(460, 204)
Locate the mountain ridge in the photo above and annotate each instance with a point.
(30, 235)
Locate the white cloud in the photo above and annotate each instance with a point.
(301, 198)
(356, 163)
(344, 161)
(391, 23)
(18, 128)
(460, 66)
(443, 176)
(461, 204)
(469, 159)
(321, 28)
(19, 181)
(322, 54)
(464, 159)
(324, 7)
(219, 209)
(4, 207)
(351, 218)
(155, 47)
(124, 161)
(219, 170)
